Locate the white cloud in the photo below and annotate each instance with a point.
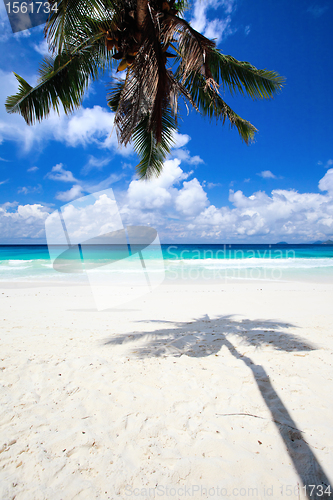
(329, 163)
(184, 213)
(179, 208)
(75, 192)
(5, 28)
(267, 174)
(96, 216)
(85, 126)
(95, 163)
(58, 173)
(218, 29)
(184, 155)
(213, 28)
(18, 222)
(158, 192)
(211, 185)
(91, 187)
(32, 169)
(4, 182)
(180, 140)
(29, 189)
(35, 211)
(326, 183)
(42, 48)
(191, 199)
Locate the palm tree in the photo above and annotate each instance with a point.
(164, 59)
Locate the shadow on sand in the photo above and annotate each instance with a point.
(205, 337)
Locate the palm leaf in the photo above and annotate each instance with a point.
(151, 152)
(63, 79)
(243, 77)
(74, 18)
(193, 47)
(145, 104)
(212, 105)
(114, 95)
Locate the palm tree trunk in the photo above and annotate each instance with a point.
(141, 13)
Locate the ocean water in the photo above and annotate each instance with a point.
(194, 262)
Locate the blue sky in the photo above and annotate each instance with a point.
(214, 188)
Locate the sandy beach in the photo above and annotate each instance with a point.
(194, 391)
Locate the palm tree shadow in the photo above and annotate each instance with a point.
(205, 337)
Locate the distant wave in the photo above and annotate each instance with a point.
(252, 263)
(42, 269)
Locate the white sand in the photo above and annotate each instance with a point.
(136, 402)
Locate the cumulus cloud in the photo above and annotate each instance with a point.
(75, 192)
(217, 28)
(326, 183)
(19, 222)
(180, 210)
(60, 174)
(211, 185)
(96, 216)
(95, 163)
(184, 155)
(267, 174)
(177, 205)
(191, 199)
(29, 189)
(85, 126)
(178, 151)
(5, 28)
(180, 140)
(42, 48)
(157, 193)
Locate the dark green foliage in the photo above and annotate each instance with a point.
(91, 37)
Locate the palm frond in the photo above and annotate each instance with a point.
(212, 105)
(181, 6)
(114, 95)
(74, 17)
(193, 47)
(62, 80)
(85, 37)
(243, 77)
(145, 88)
(151, 152)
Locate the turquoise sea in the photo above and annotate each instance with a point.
(195, 262)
